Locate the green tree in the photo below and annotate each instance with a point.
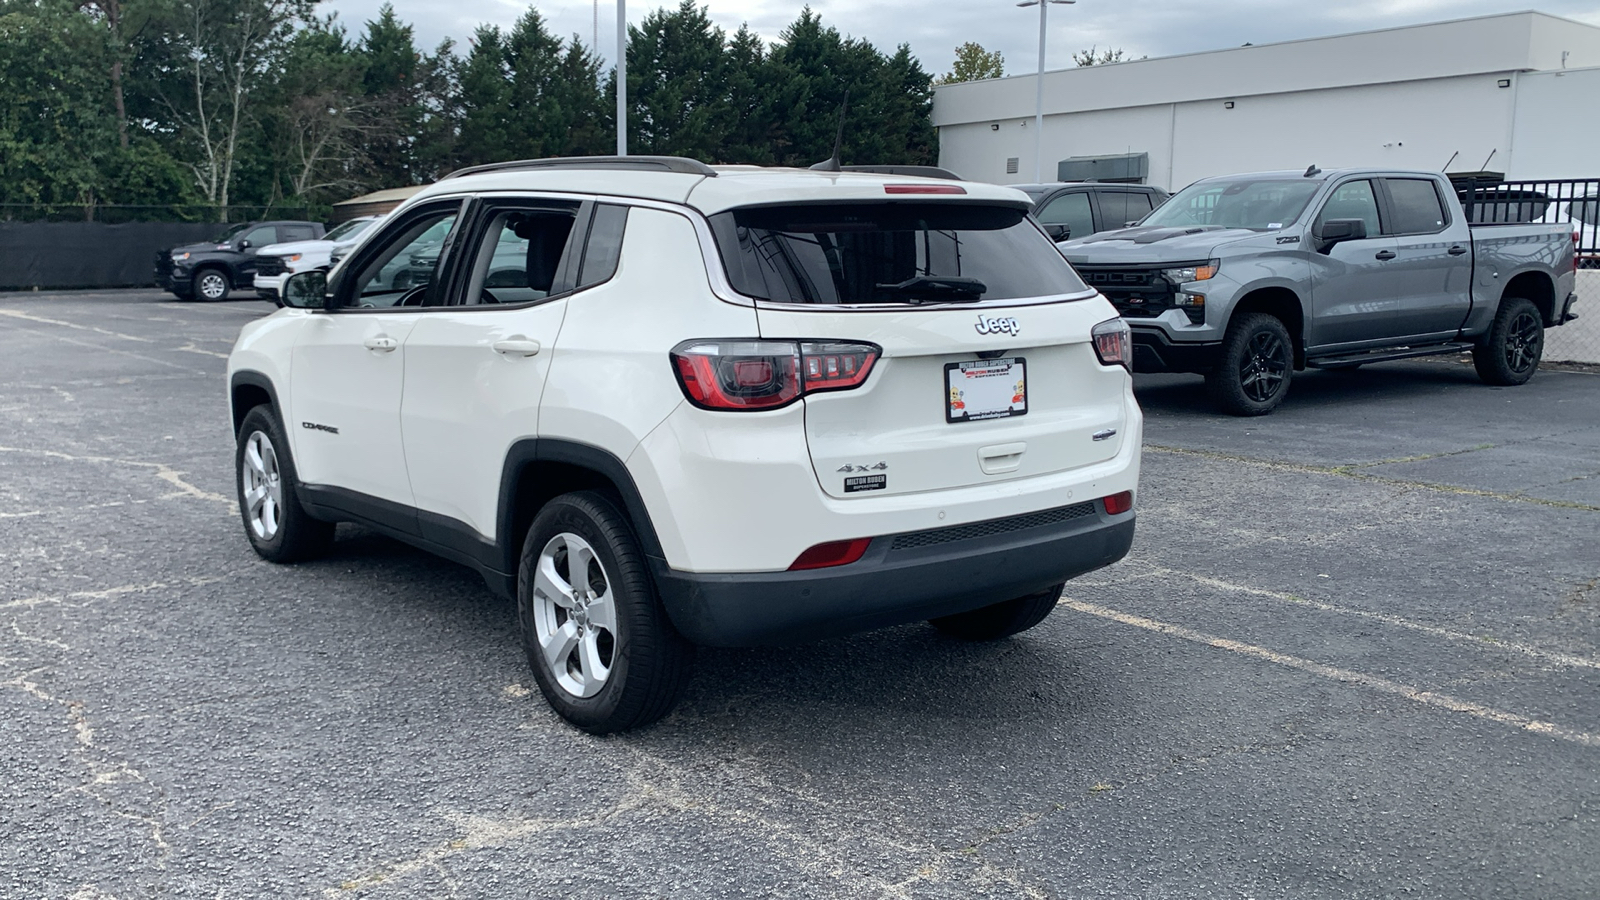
(751, 136)
(677, 84)
(1094, 56)
(973, 63)
(485, 79)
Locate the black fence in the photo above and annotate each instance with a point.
(171, 212)
(44, 246)
(1574, 201)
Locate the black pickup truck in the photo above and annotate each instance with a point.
(208, 271)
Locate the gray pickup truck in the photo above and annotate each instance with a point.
(1247, 278)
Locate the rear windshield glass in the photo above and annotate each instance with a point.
(1260, 205)
(889, 253)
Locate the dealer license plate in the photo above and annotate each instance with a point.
(985, 389)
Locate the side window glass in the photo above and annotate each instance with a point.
(260, 237)
(297, 233)
(1415, 206)
(1118, 207)
(1071, 210)
(1352, 200)
(520, 254)
(604, 247)
(404, 271)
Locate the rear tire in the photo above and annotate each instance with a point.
(278, 527)
(991, 623)
(1509, 354)
(597, 637)
(1253, 372)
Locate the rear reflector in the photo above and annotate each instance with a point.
(1117, 504)
(834, 553)
(924, 189)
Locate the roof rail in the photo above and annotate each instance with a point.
(917, 171)
(680, 164)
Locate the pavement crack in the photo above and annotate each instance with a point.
(107, 593)
(163, 471)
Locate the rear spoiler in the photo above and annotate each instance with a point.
(914, 171)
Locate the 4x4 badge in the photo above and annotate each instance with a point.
(997, 325)
(847, 467)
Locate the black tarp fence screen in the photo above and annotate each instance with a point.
(90, 254)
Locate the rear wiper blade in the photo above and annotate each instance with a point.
(946, 288)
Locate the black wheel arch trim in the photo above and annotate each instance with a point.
(252, 378)
(524, 454)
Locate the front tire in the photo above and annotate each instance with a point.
(278, 527)
(1509, 354)
(1252, 375)
(597, 637)
(211, 284)
(991, 623)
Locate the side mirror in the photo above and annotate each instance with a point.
(306, 290)
(244, 245)
(1059, 233)
(1336, 230)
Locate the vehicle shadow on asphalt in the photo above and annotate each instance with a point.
(876, 684)
(1371, 384)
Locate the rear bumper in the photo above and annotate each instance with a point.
(1153, 351)
(901, 579)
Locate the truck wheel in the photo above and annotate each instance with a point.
(597, 637)
(279, 529)
(1510, 352)
(990, 623)
(211, 284)
(1253, 371)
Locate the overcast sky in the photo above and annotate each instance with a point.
(933, 28)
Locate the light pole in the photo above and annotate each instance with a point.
(1038, 107)
(622, 77)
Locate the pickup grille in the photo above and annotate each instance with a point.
(270, 265)
(1136, 293)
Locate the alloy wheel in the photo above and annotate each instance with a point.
(1524, 343)
(575, 615)
(263, 486)
(1264, 366)
(213, 286)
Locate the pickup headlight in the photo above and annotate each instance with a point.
(1185, 274)
(291, 258)
(179, 257)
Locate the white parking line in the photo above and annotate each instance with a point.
(1484, 642)
(19, 314)
(1417, 695)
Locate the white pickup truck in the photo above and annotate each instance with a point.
(1247, 278)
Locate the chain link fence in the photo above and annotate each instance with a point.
(1574, 202)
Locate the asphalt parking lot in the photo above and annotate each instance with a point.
(1354, 653)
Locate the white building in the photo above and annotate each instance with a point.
(1513, 93)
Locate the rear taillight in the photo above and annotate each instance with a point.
(1117, 504)
(755, 374)
(1113, 344)
(833, 553)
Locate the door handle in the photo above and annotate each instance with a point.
(1457, 250)
(1386, 254)
(382, 343)
(998, 459)
(516, 347)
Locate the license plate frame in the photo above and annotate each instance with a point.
(977, 390)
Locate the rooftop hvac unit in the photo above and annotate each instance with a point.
(1123, 168)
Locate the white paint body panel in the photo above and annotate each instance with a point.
(336, 381)
(466, 404)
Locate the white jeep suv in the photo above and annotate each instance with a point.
(693, 405)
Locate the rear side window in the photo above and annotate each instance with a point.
(1120, 207)
(604, 247)
(296, 233)
(833, 254)
(1414, 206)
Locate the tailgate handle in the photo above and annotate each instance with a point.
(998, 459)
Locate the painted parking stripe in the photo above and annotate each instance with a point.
(1428, 698)
(1482, 642)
